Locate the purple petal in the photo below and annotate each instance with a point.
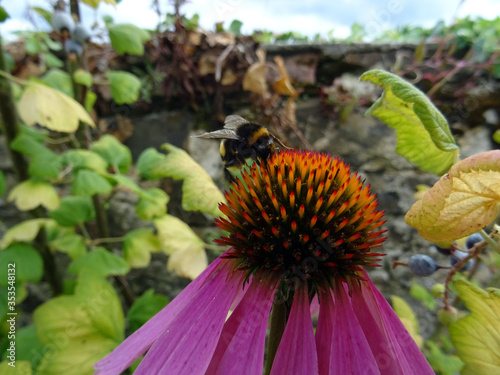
(324, 330)
(137, 343)
(393, 348)
(351, 353)
(240, 349)
(297, 350)
(187, 345)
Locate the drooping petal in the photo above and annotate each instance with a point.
(297, 350)
(392, 346)
(350, 353)
(187, 344)
(324, 330)
(241, 345)
(137, 343)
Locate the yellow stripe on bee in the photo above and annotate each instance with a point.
(261, 132)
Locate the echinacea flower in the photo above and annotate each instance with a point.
(300, 226)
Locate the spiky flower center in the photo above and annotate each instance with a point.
(303, 214)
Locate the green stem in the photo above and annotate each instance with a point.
(10, 122)
(279, 316)
(49, 264)
(490, 241)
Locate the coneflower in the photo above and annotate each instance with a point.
(300, 226)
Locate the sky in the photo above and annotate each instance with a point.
(306, 17)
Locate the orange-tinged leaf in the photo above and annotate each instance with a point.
(462, 202)
(255, 79)
(283, 85)
(477, 336)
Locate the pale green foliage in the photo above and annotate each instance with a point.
(423, 135)
(89, 324)
(127, 38)
(199, 192)
(45, 106)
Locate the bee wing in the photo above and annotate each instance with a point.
(234, 122)
(220, 134)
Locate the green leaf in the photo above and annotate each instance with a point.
(424, 137)
(408, 318)
(3, 184)
(100, 261)
(80, 328)
(52, 61)
(152, 203)
(72, 244)
(127, 38)
(199, 192)
(114, 152)
(73, 210)
(46, 14)
(138, 245)
(3, 14)
(32, 45)
(83, 77)
(28, 263)
(28, 145)
(59, 80)
(146, 162)
(90, 99)
(185, 249)
(21, 368)
(95, 3)
(477, 336)
(46, 165)
(85, 159)
(50, 108)
(125, 87)
(442, 363)
(27, 346)
(90, 183)
(144, 308)
(26, 231)
(419, 292)
(235, 27)
(32, 193)
(124, 182)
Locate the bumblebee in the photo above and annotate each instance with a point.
(242, 141)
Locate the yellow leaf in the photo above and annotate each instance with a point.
(408, 318)
(185, 249)
(199, 192)
(45, 106)
(26, 231)
(30, 194)
(462, 202)
(477, 336)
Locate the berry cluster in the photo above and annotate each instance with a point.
(74, 35)
(424, 265)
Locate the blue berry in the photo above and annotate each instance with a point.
(445, 251)
(422, 265)
(472, 240)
